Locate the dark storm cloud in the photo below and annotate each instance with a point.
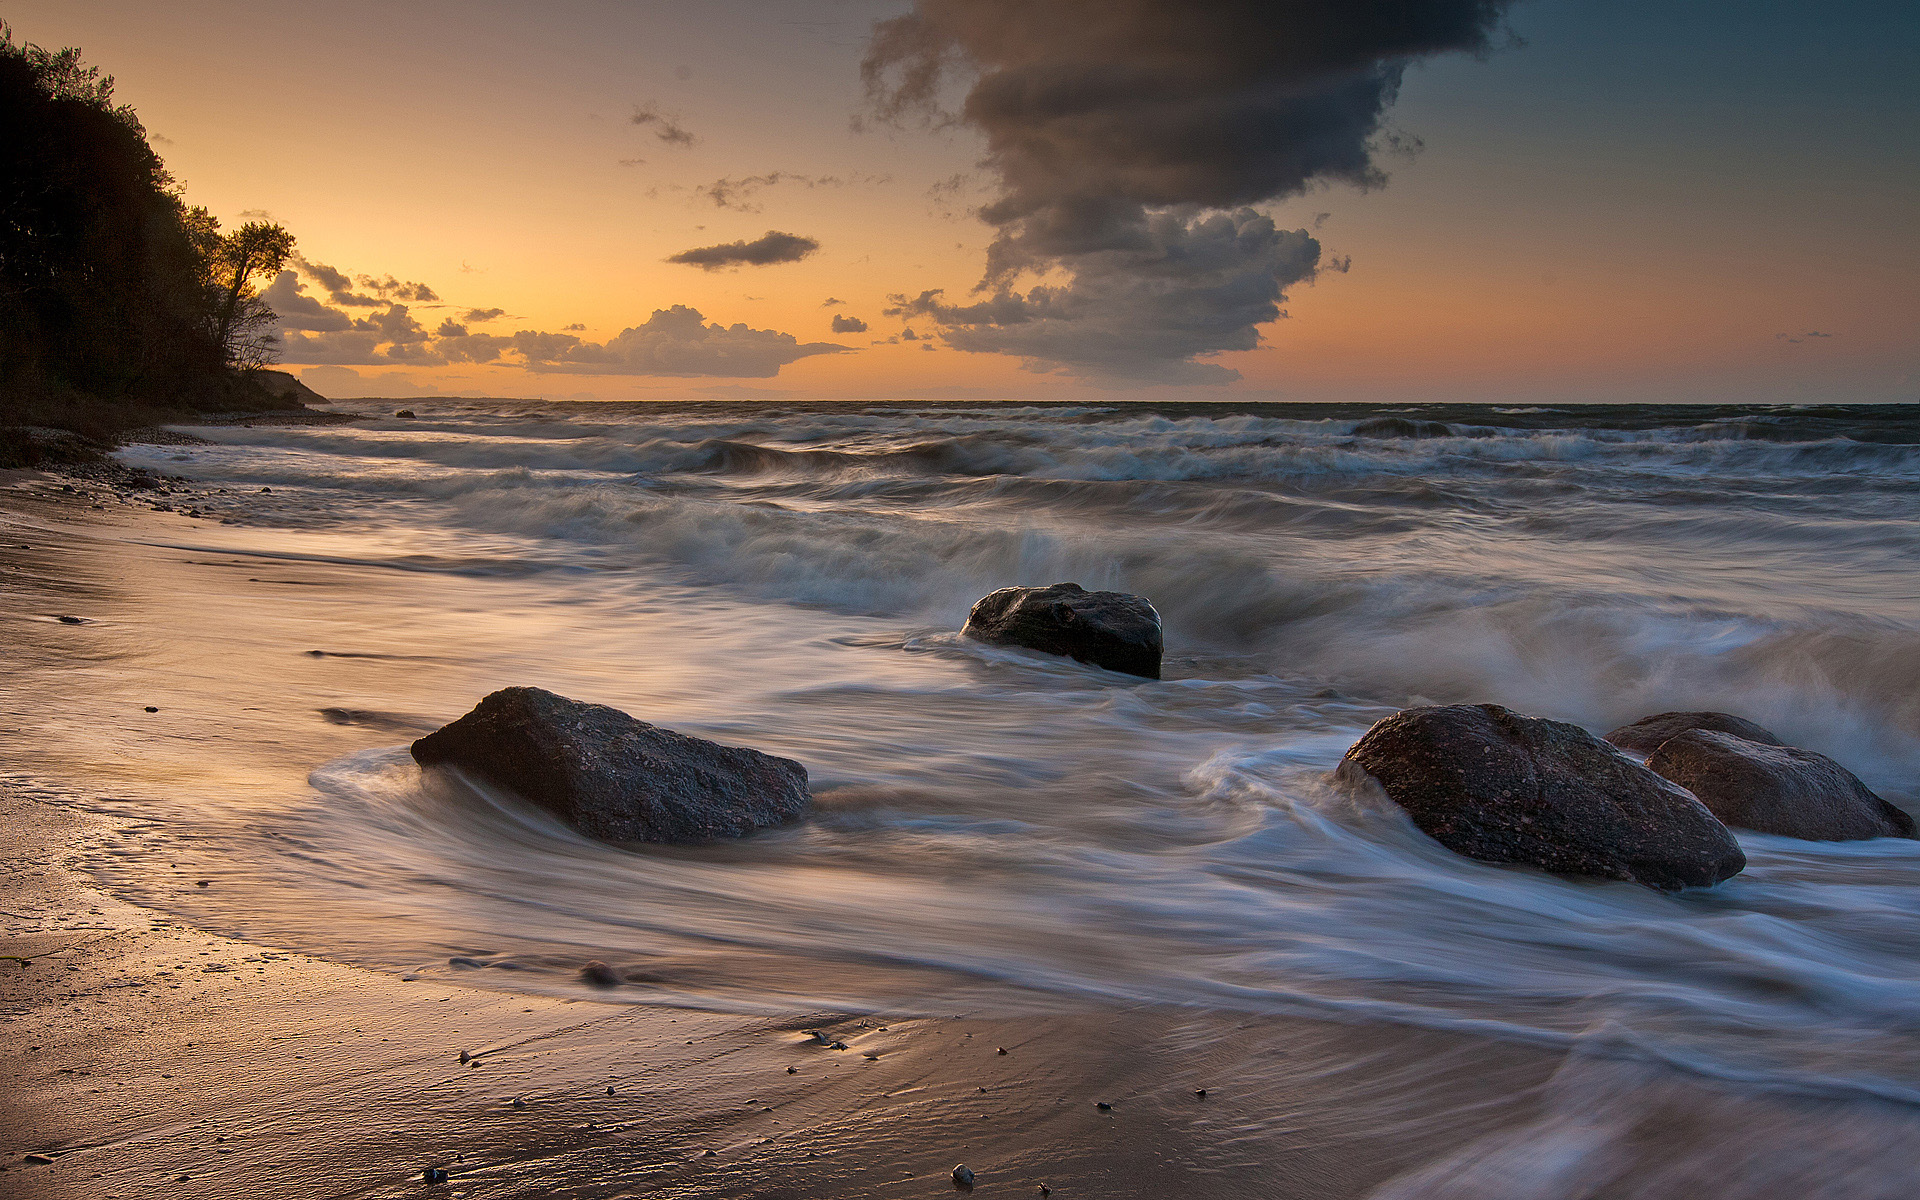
(1104, 117)
(774, 247)
(673, 341)
(667, 128)
(846, 324)
(476, 315)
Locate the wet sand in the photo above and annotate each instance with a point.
(152, 1056)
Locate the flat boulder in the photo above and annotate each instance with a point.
(1103, 629)
(613, 777)
(1777, 789)
(1644, 736)
(1496, 786)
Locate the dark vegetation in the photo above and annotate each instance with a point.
(120, 304)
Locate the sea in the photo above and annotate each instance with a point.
(997, 827)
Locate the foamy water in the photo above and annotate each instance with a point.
(790, 577)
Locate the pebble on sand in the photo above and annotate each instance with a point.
(434, 1175)
(1103, 1106)
(600, 974)
(39, 1160)
(152, 708)
(962, 1176)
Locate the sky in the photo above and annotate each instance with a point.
(1544, 201)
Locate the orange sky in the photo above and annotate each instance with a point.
(1584, 223)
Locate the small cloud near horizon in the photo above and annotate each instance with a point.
(772, 248)
(665, 126)
(846, 324)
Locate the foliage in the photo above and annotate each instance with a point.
(111, 287)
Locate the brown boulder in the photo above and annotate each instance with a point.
(1777, 789)
(610, 776)
(1114, 630)
(1493, 785)
(1644, 736)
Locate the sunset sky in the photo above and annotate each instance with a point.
(1616, 199)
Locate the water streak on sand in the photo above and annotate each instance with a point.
(789, 577)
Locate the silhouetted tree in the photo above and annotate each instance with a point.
(109, 285)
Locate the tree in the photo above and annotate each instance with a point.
(243, 324)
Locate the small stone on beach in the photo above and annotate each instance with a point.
(1103, 1106)
(434, 1175)
(962, 1176)
(38, 1160)
(1001, 1050)
(600, 974)
(152, 708)
(1200, 1092)
(793, 1070)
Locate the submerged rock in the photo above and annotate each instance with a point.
(1777, 789)
(613, 777)
(1402, 427)
(1104, 629)
(1493, 785)
(1644, 736)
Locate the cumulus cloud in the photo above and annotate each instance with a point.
(1121, 131)
(380, 291)
(673, 341)
(1196, 285)
(390, 288)
(665, 127)
(846, 324)
(288, 298)
(772, 248)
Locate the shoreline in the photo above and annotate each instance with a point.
(138, 1065)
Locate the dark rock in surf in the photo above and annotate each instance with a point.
(613, 777)
(1777, 789)
(1401, 427)
(600, 974)
(1104, 629)
(405, 412)
(1500, 787)
(1644, 736)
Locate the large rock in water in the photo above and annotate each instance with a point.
(1644, 736)
(1105, 629)
(610, 776)
(1777, 789)
(1494, 785)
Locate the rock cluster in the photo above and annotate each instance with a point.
(1493, 785)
